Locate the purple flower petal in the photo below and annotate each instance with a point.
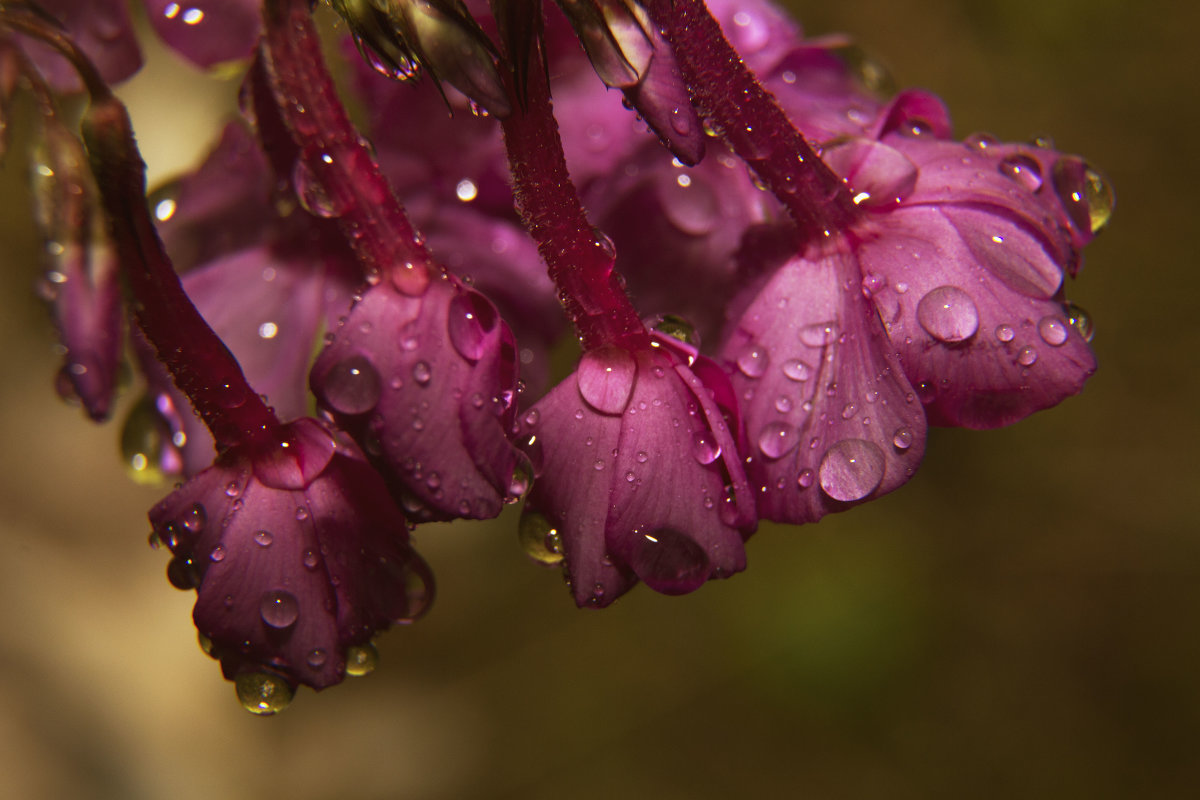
(983, 344)
(291, 573)
(830, 418)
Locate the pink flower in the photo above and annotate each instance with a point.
(638, 474)
(297, 555)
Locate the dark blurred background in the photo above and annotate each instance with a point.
(1019, 621)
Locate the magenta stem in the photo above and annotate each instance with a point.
(730, 98)
(578, 258)
(334, 155)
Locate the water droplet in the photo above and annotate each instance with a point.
(669, 561)
(521, 480)
(1027, 356)
(1005, 333)
(851, 469)
(690, 204)
(301, 513)
(796, 370)
(278, 608)
(805, 478)
(422, 373)
(820, 334)
(194, 518)
(311, 559)
(539, 539)
(705, 447)
(263, 538)
(147, 449)
(313, 178)
(980, 141)
(902, 439)
(777, 439)
(1081, 321)
(605, 245)
(218, 553)
(471, 317)
(849, 410)
(262, 693)
(182, 573)
(352, 386)
(752, 361)
(677, 328)
(1022, 169)
(1053, 331)
(605, 378)
(948, 314)
(783, 404)
(316, 658)
(1086, 195)
(361, 660)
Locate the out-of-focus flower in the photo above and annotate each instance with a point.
(81, 279)
(298, 557)
(638, 474)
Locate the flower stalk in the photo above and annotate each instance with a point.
(736, 105)
(579, 258)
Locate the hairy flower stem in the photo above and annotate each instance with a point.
(334, 160)
(199, 362)
(578, 257)
(730, 98)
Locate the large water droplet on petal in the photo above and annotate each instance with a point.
(777, 439)
(1086, 195)
(278, 608)
(352, 385)
(705, 447)
(676, 327)
(752, 361)
(361, 660)
(1022, 169)
(851, 470)
(605, 378)
(1081, 321)
(669, 561)
(1053, 331)
(539, 539)
(820, 334)
(471, 318)
(262, 693)
(948, 314)
(422, 373)
(797, 370)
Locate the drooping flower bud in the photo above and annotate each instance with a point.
(298, 557)
(639, 475)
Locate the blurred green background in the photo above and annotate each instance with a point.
(1019, 621)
